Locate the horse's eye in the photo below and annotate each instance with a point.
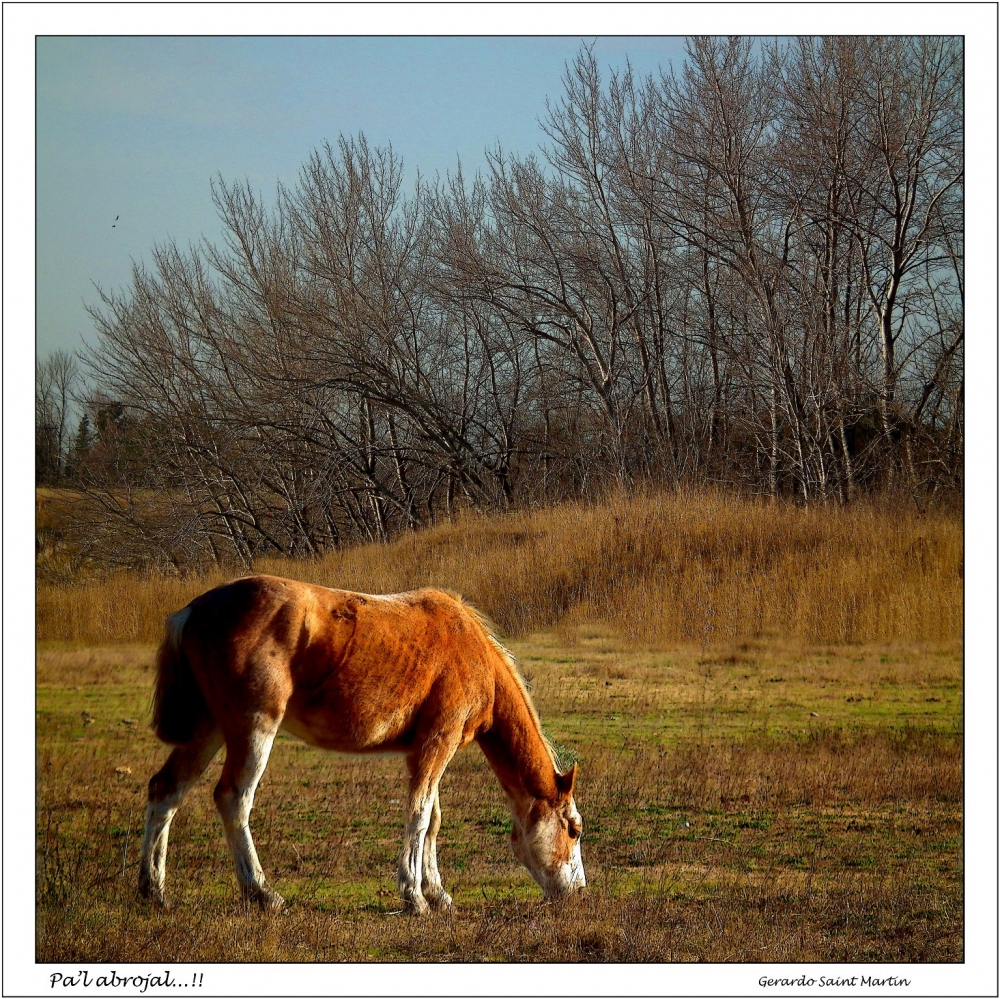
(574, 832)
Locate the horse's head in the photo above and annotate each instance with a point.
(547, 840)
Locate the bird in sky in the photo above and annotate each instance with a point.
(113, 224)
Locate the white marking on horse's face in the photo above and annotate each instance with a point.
(547, 842)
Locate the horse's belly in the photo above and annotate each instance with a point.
(347, 733)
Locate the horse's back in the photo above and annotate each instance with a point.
(346, 670)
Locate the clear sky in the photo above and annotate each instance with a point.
(135, 128)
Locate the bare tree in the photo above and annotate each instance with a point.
(56, 380)
(746, 272)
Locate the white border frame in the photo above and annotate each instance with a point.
(977, 22)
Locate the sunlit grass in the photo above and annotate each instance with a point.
(694, 567)
(764, 702)
(813, 813)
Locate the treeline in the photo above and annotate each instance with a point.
(749, 272)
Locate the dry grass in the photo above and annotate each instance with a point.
(765, 702)
(767, 801)
(658, 568)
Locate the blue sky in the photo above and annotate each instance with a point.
(137, 126)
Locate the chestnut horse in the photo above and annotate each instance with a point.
(416, 673)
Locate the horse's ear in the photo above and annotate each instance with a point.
(565, 782)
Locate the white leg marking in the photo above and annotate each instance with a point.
(433, 890)
(183, 768)
(424, 816)
(153, 859)
(235, 806)
(411, 859)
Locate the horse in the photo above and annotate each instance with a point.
(419, 673)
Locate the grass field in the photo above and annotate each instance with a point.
(765, 702)
(759, 800)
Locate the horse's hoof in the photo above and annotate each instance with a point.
(441, 902)
(266, 898)
(270, 901)
(153, 895)
(416, 906)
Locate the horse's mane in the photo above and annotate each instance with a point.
(507, 657)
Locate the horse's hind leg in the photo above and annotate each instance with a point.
(246, 758)
(166, 790)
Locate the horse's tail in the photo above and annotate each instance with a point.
(178, 704)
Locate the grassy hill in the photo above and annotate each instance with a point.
(655, 568)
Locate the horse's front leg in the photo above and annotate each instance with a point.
(419, 882)
(410, 875)
(433, 891)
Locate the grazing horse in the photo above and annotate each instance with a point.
(416, 673)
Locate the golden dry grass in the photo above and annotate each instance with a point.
(657, 568)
